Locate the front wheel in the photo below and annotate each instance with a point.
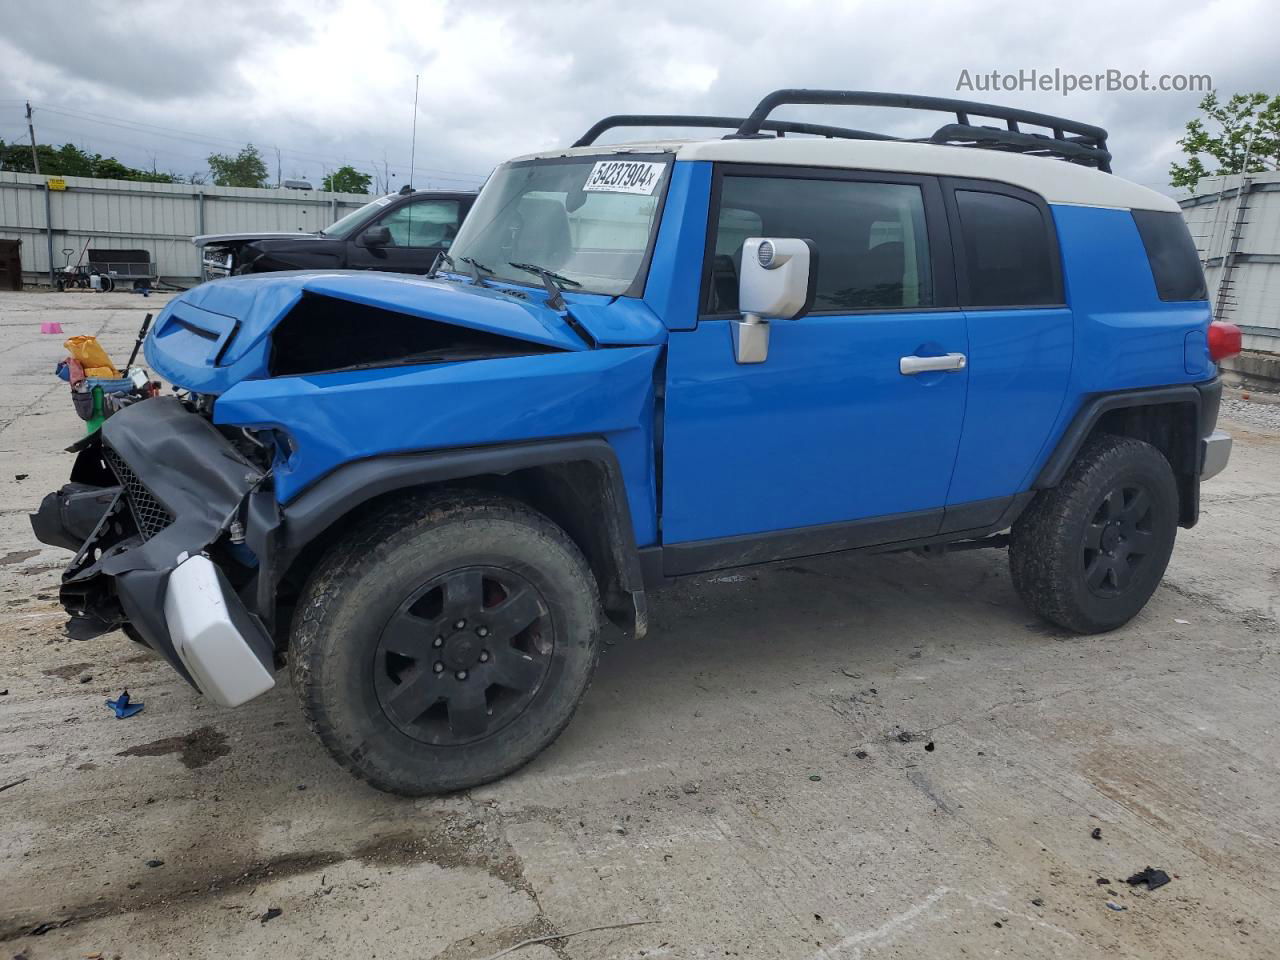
(446, 642)
(1088, 554)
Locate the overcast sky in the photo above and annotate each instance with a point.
(331, 81)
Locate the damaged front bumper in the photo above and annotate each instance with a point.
(150, 511)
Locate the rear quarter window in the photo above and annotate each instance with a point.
(1008, 254)
(1175, 263)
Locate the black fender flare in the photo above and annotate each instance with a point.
(324, 503)
(1204, 397)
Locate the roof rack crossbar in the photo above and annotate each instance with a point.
(1087, 137)
(1074, 149)
(781, 127)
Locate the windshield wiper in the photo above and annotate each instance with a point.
(435, 264)
(476, 266)
(544, 272)
(555, 300)
(551, 280)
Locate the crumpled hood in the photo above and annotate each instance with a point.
(219, 333)
(224, 239)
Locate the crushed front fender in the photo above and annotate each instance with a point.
(336, 418)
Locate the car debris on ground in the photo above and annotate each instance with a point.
(124, 707)
(1152, 877)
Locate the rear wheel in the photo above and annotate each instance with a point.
(446, 642)
(1088, 554)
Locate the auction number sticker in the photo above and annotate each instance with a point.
(624, 176)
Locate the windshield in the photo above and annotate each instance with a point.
(340, 227)
(587, 220)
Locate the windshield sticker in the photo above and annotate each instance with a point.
(383, 201)
(623, 176)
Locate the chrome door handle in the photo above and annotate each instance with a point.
(948, 362)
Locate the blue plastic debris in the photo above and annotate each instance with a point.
(123, 707)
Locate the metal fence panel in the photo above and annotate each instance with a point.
(1238, 218)
(158, 217)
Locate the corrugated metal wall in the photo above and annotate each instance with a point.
(158, 217)
(1244, 225)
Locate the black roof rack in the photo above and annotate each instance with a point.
(1066, 139)
(781, 127)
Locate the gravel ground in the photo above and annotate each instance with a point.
(1260, 410)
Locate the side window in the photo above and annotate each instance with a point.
(1007, 253)
(427, 223)
(873, 248)
(1175, 264)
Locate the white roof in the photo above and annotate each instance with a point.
(1055, 180)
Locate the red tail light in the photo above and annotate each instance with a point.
(1224, 340)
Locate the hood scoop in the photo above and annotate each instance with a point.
(197, 336)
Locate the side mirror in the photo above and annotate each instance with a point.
(376, 237)
(777, 282)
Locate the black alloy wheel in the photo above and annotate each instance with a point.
(1118, 539)
(463, 655)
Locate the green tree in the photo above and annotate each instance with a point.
(245, 169)
(156, 176)
(69, 160)
(1248, 123)
(347, 180)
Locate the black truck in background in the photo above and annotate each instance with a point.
(398, 233)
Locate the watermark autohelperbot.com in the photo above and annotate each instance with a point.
(1066, 82)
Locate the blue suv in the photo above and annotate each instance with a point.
(428, 495)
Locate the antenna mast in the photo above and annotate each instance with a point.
(413, 143)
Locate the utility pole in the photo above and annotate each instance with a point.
(413, 143)
(279, 177)
(35, 158)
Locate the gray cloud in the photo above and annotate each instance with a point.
(143, 51)
(333, 82)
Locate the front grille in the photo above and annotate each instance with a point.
(147, 511)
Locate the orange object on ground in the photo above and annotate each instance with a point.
(92, 357)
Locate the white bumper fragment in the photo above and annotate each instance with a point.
(212, 634)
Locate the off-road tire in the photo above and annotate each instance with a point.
(337, 648)
(1049, 551)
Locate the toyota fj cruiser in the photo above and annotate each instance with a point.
(640, 361)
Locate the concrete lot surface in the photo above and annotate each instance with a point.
(839, 758)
